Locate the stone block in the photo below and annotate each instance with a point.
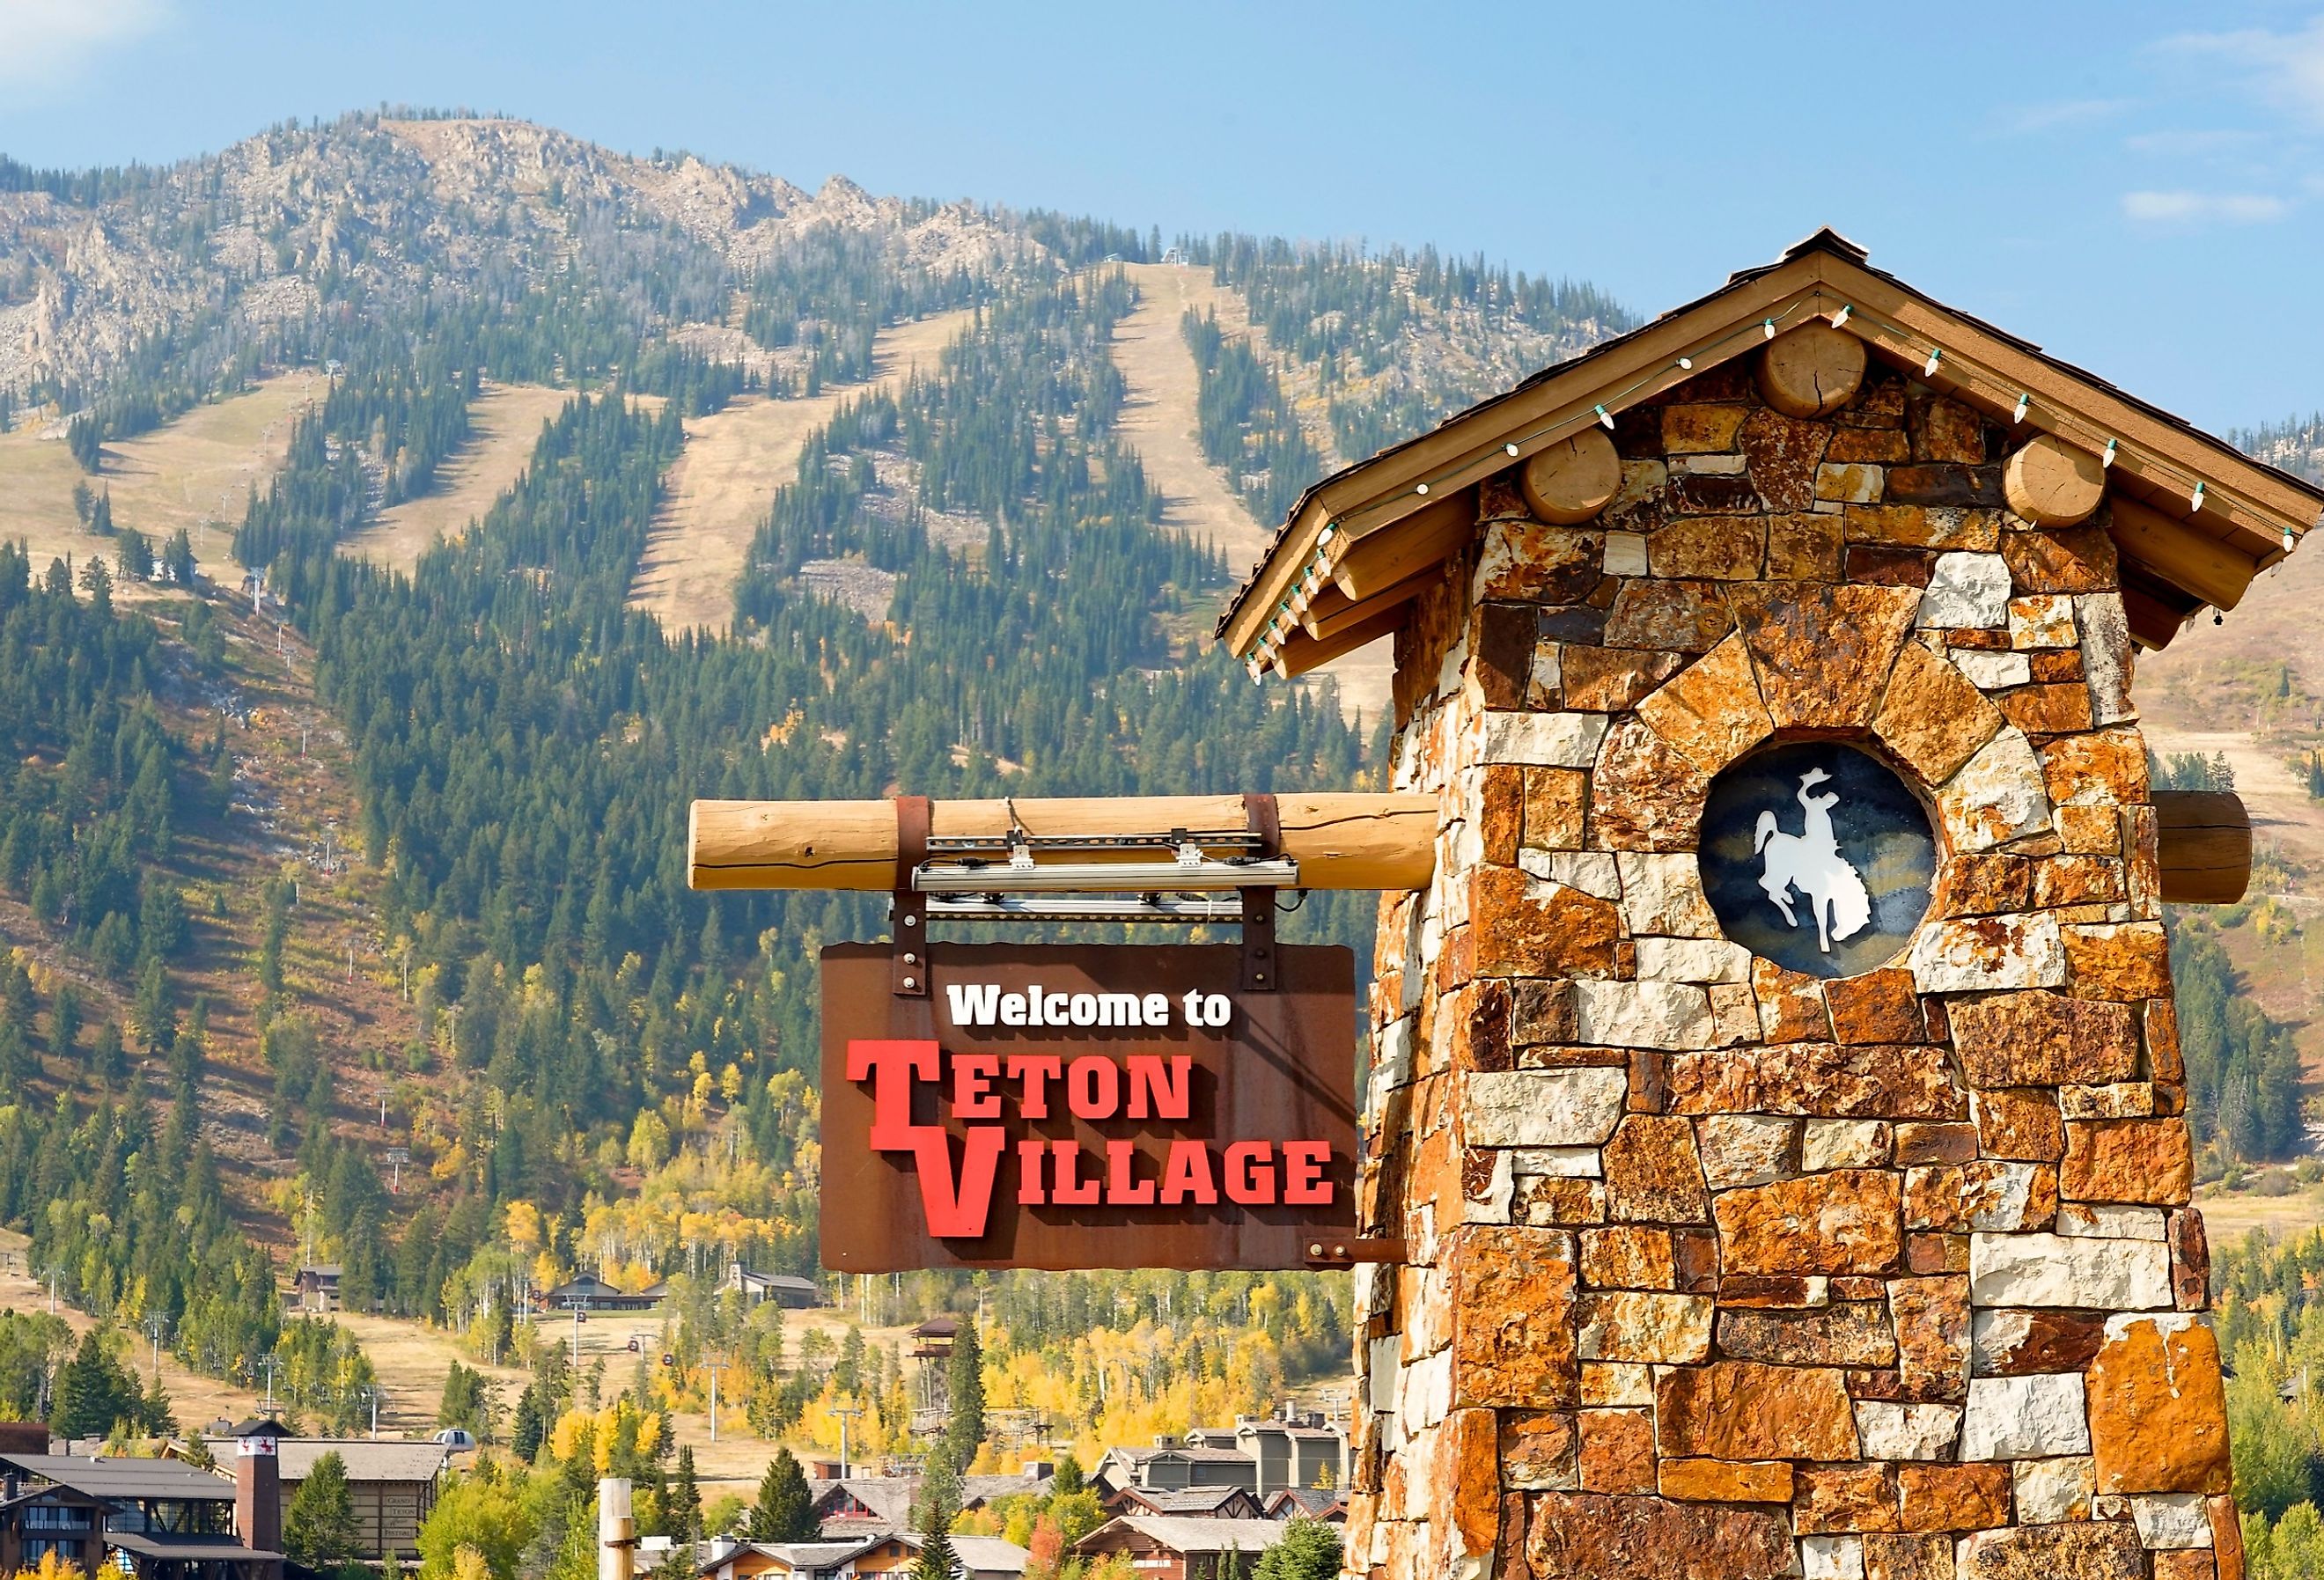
(1791, 1005)
(1515, 1290)
(1711, 712)
(1952, 1497)
(1627, 1256)
(2043, 1039)
(1933, 716)
(2157, 1407)
(1926, 526)
(1644, 1326)
(1704, 960)
(1607, 680)
(1878, 1006)
(1543, 740)
(2125, 962)
(1986, 1194)
(2140, 1161)
(2171, 1520)
(1946, 483)
(1997, 797)
(1993, 672)
(1642, 1014)
(1922, 1142)
(1846, 1221)
(1944, 430)
(1932, 1318)
(2019, 1123)
(1653, 1174)
(1524, 925)
(2049, 1491)
(2058, 1270)
(1824, 653)
(1982, 884)
(1840, 1333)
(1804, 545)
(1875, 445)
(1743, 1409)
(1711, 548)
(1529, 562)
(1694, 429)
(1900, 1556)
(1836, 1498)
(1832, 1558)
(1983, 954)
(1617, 1450)
(1625, 553)
(1557, 804)
(1843, 1143)
(2101, 1221)
(1682, 616)
(1586, 1537)
(2025, 1417)
(2073, 1551)
(1849, 483)
(1907, 1431)
(2190, 1260)
(1618, 1383)
(1967, 590)
(1726, 1481)
(1662, 895)
(2017, 1342)
(1745, 1149)
(1542, 1108)
(1645, 793)
(1860, 1081)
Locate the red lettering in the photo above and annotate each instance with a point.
(1029, 1190)
(1069, 1191)
(1187, 1175)
(1251, 1174)
(1120, 1191)
(891, 1067)
(1160, 1088)
(1036, 1070)
(972, 1079)
(1093, 1087)
(957, 1208)
(1304, 1185)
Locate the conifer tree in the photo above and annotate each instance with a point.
(319, 1528)
(785, 1510)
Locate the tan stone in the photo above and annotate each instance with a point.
(1712, 712)
(2148, 1160)
(2018, 1122)
(1515, 1289)
(1682, 616)
(1782, 455)
(1745, 1149)
(1823, 652)
(1849, 483)
(1986, 1195)
(1627, 1256)
(2158, 1408)
(1791, 1003)
(1944, 430)
(1556, 801)
(1804, 545)
(1879, 1006)
(1715, 547)
(1932, 1334)
(1617, 1450)
(1876, 445)
(1697, 429)
(1952, 1497)
(1933, 716)
(1643, 1327)
(2104, 1550)
(2027, 1341)
(1522, 926)
(1644, 795)
(2125, 962)
(1579, 1537)
(2185, 1564)
(2092, 830)
(2077, 879)
(1653, 1174)
(2043, 1040)
(1608, 679)
(1864, 1081)
(1726, 1481)
(2041, 620)
(1926, 526)
(1842, 1222)
(1741, 1410)
(1908, 1557)
(1842, 1333)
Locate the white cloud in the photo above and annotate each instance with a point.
(2191, 145)
(2072, 112)
(43, 41)
(2286, 68)
(2183, 208)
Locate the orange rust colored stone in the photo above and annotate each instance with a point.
(1514, 1288)
(1617, 1450)
(2184, 1564)
(1952, 1497)
(2158, 1408)
(1726, 1481)
(2148, 1160)
(1862, 1081)
(1932, 1335)
(1537, 1450)
(1844, 1498)
(1543, 564)
(2039, 1038)
(1908, 1557)
(1645, 793)
(1845, 1220)
(1583, 1537)
(2061, 559)
(2102, 765)
(1879, 1006)
(1824, 653)
(1688, 616)
(2019, 1122)
(1470, 1464)
(1556, 800)
(1791, 1003)
(1600, 679)
(2075, 880)
(2128, 962)
(1932, 715)
(1977, 883)
(1653, 1174)
(1804, 545)
(1742, 1409)
(1513, 933)
(1627, 1256)
(1711, 713)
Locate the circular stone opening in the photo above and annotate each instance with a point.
(1816, 855)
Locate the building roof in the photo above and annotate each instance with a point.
(201, 1549)
(1186, 1535)
(367, 1459)
(2252, 510)
(795, 1555)
(125, 1480)
(1310, 1499)
(1189, 1500)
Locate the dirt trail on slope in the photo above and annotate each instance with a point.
(1160, 419)
(723, 482)
(504, 423)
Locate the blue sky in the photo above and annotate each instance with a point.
(2138, 187)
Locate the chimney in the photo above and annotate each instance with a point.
(617, 1532)
(258, 1485)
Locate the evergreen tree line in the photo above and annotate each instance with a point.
(1246, 422)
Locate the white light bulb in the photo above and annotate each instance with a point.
(2290, 543)
(1605, 417)
(1840, 316)
(2196, 500)
(2108, 460)
(1257, 669)
(2019, 415)
(1767, 327)
(1510, 448)
(1936, 355)
(1326, 535)
(1686, 363)
(1420, 488)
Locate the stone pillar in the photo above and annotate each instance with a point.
(1722, 1267)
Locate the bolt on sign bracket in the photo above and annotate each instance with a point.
(1346, 1250)
(1259, 904)
(908, 916)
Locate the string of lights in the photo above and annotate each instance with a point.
(1284, 623)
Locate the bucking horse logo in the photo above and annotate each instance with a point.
(1811, 861)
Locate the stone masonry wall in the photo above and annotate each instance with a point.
(1720, 1270)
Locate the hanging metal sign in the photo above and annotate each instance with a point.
(1069, 1106)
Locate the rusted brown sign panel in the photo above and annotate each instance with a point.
(1086, 1107)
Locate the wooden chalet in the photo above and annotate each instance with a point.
(589, 1292)
(1194, 1503)
(149, 1518)
(785, 1289)
(318, 1287)
(1308, 1503)
(1177, 1548)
